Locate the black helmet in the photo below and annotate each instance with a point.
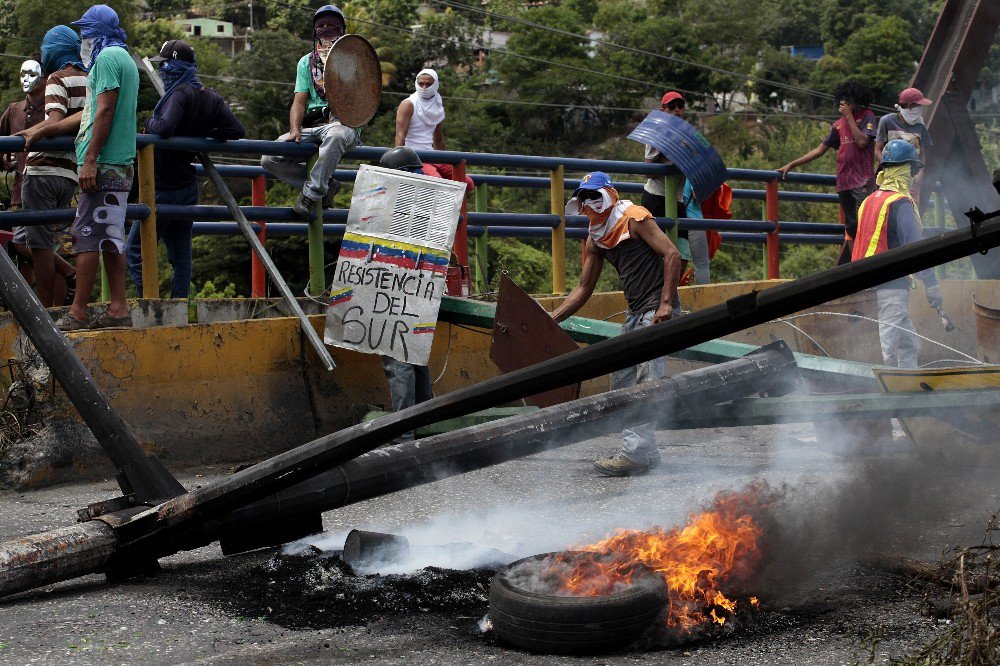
(402, 158)
(329, 9)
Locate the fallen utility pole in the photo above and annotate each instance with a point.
(142, 478)
(92, 547)
(154, 532)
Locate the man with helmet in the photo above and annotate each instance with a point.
(19, 116)
(309, 120)
(409, 384)
(888, 219)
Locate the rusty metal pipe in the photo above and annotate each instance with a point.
(46, 558)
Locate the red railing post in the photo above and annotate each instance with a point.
(461, 248)
(771, 204)
(258, 278)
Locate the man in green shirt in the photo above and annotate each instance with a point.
(105, 151)
(309, 120)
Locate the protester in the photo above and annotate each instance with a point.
(50, 180)
(105, 152)
(907, 123)
(649, 267)
(187, 108)
(693, 245)
(851, 136)
(889, 219)
(309, 120)
(17, 117)
(418, 123)
(409, 384)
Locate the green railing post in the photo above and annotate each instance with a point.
(480, 245)
(105, 284)
(670, 205)
(317, 257)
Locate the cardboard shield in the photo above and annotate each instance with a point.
(352, 77)
(686, 147)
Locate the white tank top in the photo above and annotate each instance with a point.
(420, 136)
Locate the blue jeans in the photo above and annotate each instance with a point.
(639, 442)
(409, 384)
(333, 139)
(176, 235)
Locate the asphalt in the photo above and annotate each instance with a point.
(825, 609)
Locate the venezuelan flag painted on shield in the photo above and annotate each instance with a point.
(427, 327)
(341, 296)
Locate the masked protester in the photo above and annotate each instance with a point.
(888, 219)
(309, 120)
(852, 137)
(50, 179)
(418, 123)
(649, 267)
(907, 123)
(105, 152)
(409, 384)
(17, 117)
(187, 108)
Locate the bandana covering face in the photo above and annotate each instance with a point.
(60, 47)
(99, 25)
(911, 116)
(323, 39)
(174, 74)
(608, 226)
(427, 103)
(895, 177)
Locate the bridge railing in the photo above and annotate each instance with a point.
(479, 224)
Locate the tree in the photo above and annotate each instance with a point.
(882, 55)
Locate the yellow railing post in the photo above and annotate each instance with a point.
(147, 230)
(558, 233)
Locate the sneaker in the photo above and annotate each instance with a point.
(70, 289)
(304, 207)
(68, 323)
(104, 320)
(619, 465)
(331, 191)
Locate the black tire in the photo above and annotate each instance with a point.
(574, 625)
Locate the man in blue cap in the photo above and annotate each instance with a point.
(309, 120)
(626, 235)
(187, 108)
(105, 152)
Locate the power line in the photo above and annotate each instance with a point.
(658, 86)
(602, 42)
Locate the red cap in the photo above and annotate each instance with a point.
(913, 96)
(670, 97)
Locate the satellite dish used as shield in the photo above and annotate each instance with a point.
(352, 77)
(686, 147)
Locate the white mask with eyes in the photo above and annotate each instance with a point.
(31, 75)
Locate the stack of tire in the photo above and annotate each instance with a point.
(551, 624)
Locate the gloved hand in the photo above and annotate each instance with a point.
(934, 296)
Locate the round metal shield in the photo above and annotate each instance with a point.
(353, 80)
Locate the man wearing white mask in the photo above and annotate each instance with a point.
(418, 123)
(648, 264)
(907, 123)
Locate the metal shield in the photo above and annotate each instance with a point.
(352, 77)
(686, 147)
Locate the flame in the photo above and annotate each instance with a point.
(717, 549)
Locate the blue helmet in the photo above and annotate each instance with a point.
(898, 151)
(329, 9)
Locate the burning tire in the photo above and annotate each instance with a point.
(533, 607)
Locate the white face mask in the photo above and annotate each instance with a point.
(429, 91)
(87, 52)
(911, 116)
(598, 205)
(31, 75)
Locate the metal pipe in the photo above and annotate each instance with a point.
(258, 276)
(773, 240)
(147, 226)
(558, 208)
(90, 548)
(153, 529)
(265, 258)
(138, 473)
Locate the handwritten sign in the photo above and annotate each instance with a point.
(390, 274)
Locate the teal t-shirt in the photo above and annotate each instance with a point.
(304, 83)
(113, 70)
